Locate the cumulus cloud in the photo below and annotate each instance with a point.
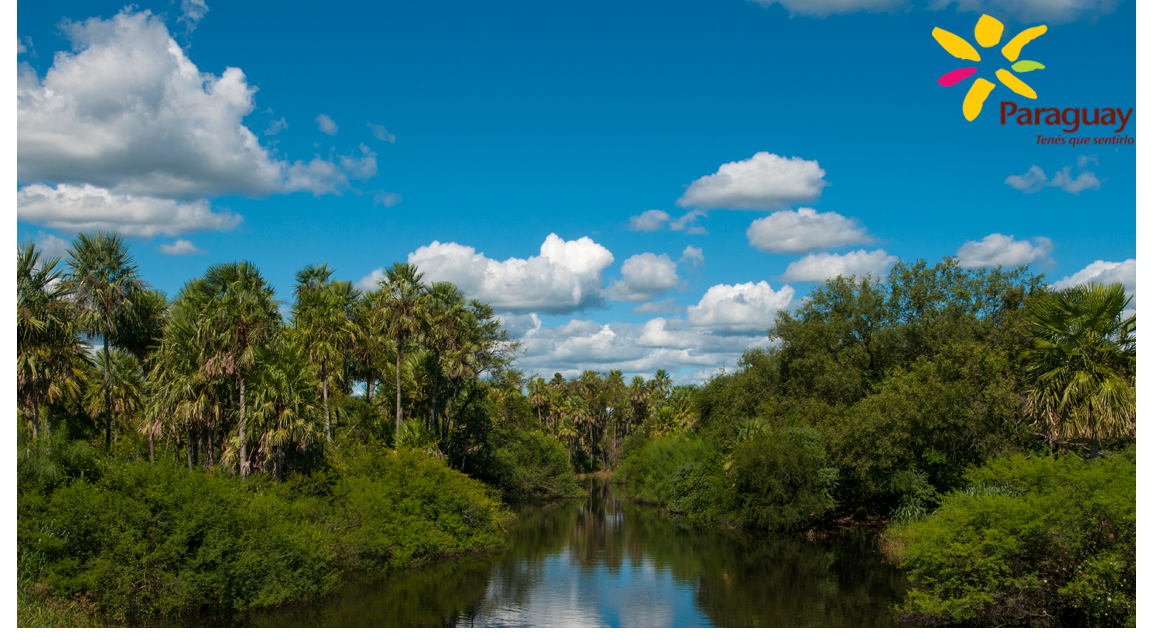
(681, 223)
(181, 247)
(804, 230)
(566, 276)
(1035, 179)
(1103, 272)
(362, 167)
(381, 133)
(327, 125)
(192, 12)
(1026, 11)
(127, 111)
(1000, 250)
(87, 208)
(659, 343)
(645, 276)
(20, 48)
(694, 255)
(276, 126)
(762, 182)
(650, 220)
(824, 8)
(819, 267)
(746, 308)
(665, 306)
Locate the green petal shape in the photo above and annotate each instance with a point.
(1026, 65)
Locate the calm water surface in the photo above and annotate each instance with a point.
(606, 562)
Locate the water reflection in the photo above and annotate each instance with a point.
(605, 561)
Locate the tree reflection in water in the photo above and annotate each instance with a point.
(604, 561)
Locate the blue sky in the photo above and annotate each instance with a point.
(501, 123)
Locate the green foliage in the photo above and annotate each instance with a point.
(146, 541)
(782, 479)
(650, 473)
(1032, 542)
(528, 466)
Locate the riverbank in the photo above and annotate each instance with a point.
(140, 543)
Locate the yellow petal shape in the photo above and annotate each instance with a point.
(988, 31)
(1011, 49)
(973, 103)
(955, 45)
(1015, 84)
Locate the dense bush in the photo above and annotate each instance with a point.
(144, 541)
(528, 466)
(781, 479)
(650, 473)
(1031, 542)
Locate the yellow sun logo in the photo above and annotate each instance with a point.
(988, 31)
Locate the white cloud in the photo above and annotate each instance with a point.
(363, 167)
(694, 255)
(681, 223)
(387, 198)
(1035, 179)
(747, 308)
(650, 220)
(192, 12)
(276, 126)
(763, 181)
(51, 246)
(665, 306)
(1026, 11)
(564, 277)
(824, 8)
(326, 124)
(129, 112)
(1000, 250)
(381, 133)
(371, 281)
(87, 208)
(645, 276)
(659, 343)
(20, 46)
(181, 247)
(804, 230)
(819, 267)
(1103, 272)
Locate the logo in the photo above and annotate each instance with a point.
(988, 32)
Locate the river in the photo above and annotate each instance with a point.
(606, 561)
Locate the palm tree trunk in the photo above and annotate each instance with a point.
(371, 384)
(279, 462)
(151, 449)
(243, 434)
(327, 415)
(188, 445)
(107, 400)
(399, 412)
(435, 384)
(47, 431)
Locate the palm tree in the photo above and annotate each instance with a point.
(371, 346)
(321, 318)
(1081, 365)
(240, 315)
(49, 357)
(284, 403)
(105, 281)
(123, 396)
(404, 301)
(446, 321)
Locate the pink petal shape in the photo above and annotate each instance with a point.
(951, 77)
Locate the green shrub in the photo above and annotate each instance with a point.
(781, 479)
(1032, 542)
(650, 472)
(528, 466)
